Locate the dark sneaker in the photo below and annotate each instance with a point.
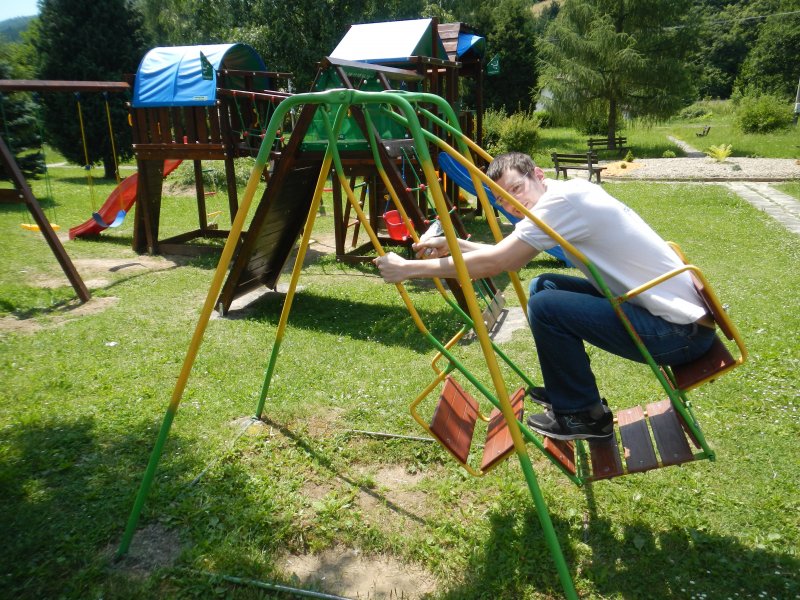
(538, 395)
(572, 426)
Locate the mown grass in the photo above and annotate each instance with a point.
(650, 140)
(84, 396)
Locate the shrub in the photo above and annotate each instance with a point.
(629, 156)
(492, 126)
(762, 114)
(719, 153)
(544, 117)
(695, 112)
(668, 154)
(518, 132)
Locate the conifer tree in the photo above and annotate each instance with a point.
(605, 58)
(88, 41)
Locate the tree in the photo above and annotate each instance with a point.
(727, 31)
(609, 57)
(20, 127)
(511, 36)
(88, 41)
(773, 64)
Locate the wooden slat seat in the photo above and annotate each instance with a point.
(499, 443)
(453, 424)
(713, 363)
(454, 419)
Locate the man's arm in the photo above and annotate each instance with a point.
(437, 247)
(510, 254)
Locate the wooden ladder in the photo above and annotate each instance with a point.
(453, 424)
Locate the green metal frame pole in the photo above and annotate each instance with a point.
(216, 285)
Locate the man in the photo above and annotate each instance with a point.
(565, 311)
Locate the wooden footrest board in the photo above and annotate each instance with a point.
(634, 436)
(562, 451)
(499, 443)
(454, 419)
(670, 438)
(606, 462)
(638, 449)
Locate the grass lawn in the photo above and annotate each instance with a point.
(651, 140)
(84, 394)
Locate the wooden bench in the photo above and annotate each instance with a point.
(705, 131)
(580, 162)
(620, 143)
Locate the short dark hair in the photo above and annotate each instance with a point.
(518, 161)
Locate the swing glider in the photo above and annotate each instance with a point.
(454, 421)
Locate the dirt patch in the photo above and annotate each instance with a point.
(397, 475)
(394, 504)
(57, 318)
(153, 547)
(621, 168)
(346, 572)
(95, 272)
(320, 424)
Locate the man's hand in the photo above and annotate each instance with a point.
(435, 247)
(392, 267)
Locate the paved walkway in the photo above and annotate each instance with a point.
(691, 152)
(781, 207)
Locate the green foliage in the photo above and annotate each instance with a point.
(544, 118)
(11, 30)
(629, 156)
(517, 132)
(727, 30)
(763, 113)
(720, 153)
(510, 33)
(668, 154)
(610, 57)
(695, 112)
(88, 41)
(19, 121)
(771, 64)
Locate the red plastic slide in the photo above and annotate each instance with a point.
(122, 198)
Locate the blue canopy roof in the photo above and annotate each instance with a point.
(469, 41)
(187, 75)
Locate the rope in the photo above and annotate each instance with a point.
(86, 166)
(47, 182)
(111, 135)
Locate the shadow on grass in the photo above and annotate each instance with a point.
(677, 563)
(66, 490)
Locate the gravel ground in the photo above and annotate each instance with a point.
(706, 169)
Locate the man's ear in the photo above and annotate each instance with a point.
(538, 173)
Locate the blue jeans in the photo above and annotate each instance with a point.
(565, 311)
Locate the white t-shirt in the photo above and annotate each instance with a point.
(624, 249)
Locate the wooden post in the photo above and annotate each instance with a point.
(26, 195)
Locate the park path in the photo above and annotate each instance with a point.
(781, 207)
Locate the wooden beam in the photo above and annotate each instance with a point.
(57, 85)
